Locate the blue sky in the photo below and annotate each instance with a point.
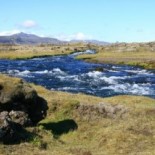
(107, 20)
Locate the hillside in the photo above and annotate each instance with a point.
(30, 39)
(96, 42)
(23, 38)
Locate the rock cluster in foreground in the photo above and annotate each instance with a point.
(20, 106)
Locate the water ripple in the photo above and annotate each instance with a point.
(68, 74)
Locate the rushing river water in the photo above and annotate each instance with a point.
(64, 73)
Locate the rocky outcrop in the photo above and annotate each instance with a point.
(91, 112)
(20, 106)
(10, 131)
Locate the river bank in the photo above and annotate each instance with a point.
(65, 73)
(134, 54)
(14, 52)
(131, 134)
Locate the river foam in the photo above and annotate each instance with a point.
(68, 74)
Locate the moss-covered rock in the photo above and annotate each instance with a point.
(19, 104)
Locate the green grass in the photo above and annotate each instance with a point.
(64, 133)
(133, 134)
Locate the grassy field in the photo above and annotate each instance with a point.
(30, 51)
(142, 55)
(133, 134)
(136, 54)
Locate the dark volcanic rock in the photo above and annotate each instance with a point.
(20, 117)
(9, 130)
(20, 96)
(20, 106)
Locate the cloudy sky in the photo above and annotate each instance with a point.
(107, 20)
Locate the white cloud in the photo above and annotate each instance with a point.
(8, 33)
(80, 36)
(64, 37)
(29, 24)
(77, 36)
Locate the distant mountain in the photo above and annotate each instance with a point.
(97, 42)
(23, 38)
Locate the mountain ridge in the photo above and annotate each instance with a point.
(93, 41)
(24, 38)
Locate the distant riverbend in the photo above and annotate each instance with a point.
(65, 73)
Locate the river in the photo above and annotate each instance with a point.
(65, 73)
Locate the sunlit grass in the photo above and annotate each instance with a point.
(143, 57)
(27, 51)
(133, 134)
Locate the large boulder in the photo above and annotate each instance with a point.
(20, 106)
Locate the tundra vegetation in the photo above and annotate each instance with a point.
(135, 54)
(42, 50)
(87, 125)
(78, 124)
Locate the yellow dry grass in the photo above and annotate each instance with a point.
(134, 134)
(30, 51)
(136, 54)
(124, 54)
